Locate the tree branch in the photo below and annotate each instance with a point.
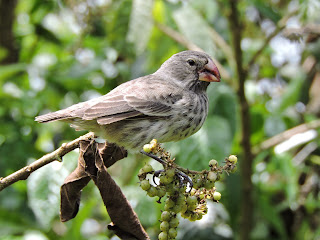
(224, 46)
(7, 39)
(281, 137)
(280, 26)
(25, 172)
(246, 207)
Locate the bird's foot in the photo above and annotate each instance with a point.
(184, 179)
(164, 163)
(168, 166)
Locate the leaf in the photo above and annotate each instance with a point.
(141, 24)
(223, 102)
(267, 11)
(46, 34)
(192, 25)
(95, 157)
(10, 70)
(292, 94)
(268, 212)
(214, 140)
(43, 190)
(71, 189)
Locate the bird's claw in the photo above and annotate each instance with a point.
(156, 174)
(154, 157)
(184, 178)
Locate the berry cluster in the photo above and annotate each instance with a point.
(187, 191)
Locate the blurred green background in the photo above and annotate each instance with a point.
(56, 53)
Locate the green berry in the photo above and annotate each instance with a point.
(192, 207)
(233, 159)
(199, 216)
(170, 203)
(163, 236)
(186, 214)
(212, 176)
(184, 207)
(145, 185)
(192, 200)
(153, 142)
(165, 216)
(170, 189)
(147, 148)
(171, 172)
(213, 163)
(165, 179)
(197, 183)
(168, 208)
(161, 192)
(152, 192)
(174, 222)
(172, 233)
(216, 196)
(209, 185)
(164, 226)
(193, 217)
(147, 168)
(182, 189)
(234, 169)
(141, 172)
(177, 208)
(181, 199)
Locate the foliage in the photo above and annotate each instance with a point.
(71, 51)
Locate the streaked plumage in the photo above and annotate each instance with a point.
(169, 105)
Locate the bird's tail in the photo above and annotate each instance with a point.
(54, 116)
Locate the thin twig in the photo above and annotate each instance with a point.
(25, 172)
(280, 26)
(281, 137)
(179, 38)
(224, 46)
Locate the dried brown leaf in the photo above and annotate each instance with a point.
(93, 161)
(70, 191)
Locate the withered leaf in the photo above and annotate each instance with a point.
(118, 207)
(94, 158)
(70, 191)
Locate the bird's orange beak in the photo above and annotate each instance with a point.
(210, 73)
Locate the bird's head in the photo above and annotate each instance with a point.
(191, 69)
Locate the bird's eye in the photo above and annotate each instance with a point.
(191, 62)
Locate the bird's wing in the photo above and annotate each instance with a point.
(137, 100)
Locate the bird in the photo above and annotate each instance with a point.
(168, 105)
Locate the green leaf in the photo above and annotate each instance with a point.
(10, 70)
(292, 94)
(141, 24)
(192, 25)
(46, 34)
(223, 102)
(214, 140)
(44, 188)
(267, 11)
(271, 215)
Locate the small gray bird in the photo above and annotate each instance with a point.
(168, 105)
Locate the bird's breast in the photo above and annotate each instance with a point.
(190, 118)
